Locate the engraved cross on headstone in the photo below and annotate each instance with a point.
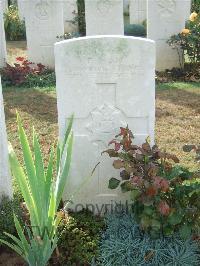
(105, 119)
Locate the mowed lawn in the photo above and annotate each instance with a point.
(177, 117)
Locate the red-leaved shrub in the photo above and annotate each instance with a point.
(16, 74)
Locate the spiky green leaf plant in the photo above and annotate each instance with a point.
(42, 193)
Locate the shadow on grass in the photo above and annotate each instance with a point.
(35, 102)
(180, 94)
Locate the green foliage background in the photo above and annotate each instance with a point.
(195, 6)
(14, 27)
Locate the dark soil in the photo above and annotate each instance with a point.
(9, 258)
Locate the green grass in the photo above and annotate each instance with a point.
(178, 85)
(178, 118)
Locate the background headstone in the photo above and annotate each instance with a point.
(2, 39)
(126, 6)
(188, 4)
(21, 7)
(5, 177)
(104, 17)
(104, 81)
(166, 18)
(69, 12)
(44, 22)
(137, 11)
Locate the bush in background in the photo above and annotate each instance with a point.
(26, 73)
(135, 30)
(14, 27)
(45, 79)
(80, 18)
(188, 39)
(195, 6)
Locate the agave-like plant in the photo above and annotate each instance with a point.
(42, 193)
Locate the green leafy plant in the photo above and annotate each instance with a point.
(7, 207)
(24, 72)
(188, 39)
(45, 79)
(162, 202)
(135, 30)
(14, 27)
(42, 195)
(124, 244)
(79, 237)
(195, 6)
(80, 17)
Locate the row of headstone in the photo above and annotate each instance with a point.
(165, 18)
(5, 177)
(113, 79)
(44, 22)
(107, 74)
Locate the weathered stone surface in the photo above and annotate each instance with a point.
(104, 81)
(5, 178)
(44, 22)
(104, 17)
(2, 39)
(137, 11)
(166, 18)
(69, 12)
(4, 5)
(21, 6)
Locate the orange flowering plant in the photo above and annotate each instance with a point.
(188, 39)
(161, 202)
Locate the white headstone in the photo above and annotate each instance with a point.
(4, 5)
(44, 22)
(166, 18)
(107, 82)
(69, 12)
(104, 17)
(2, 39)
(137, 11)
(188, 4)
(21, 7)
(5, 178)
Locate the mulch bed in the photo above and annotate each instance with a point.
(10, 258)
(190, 73)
